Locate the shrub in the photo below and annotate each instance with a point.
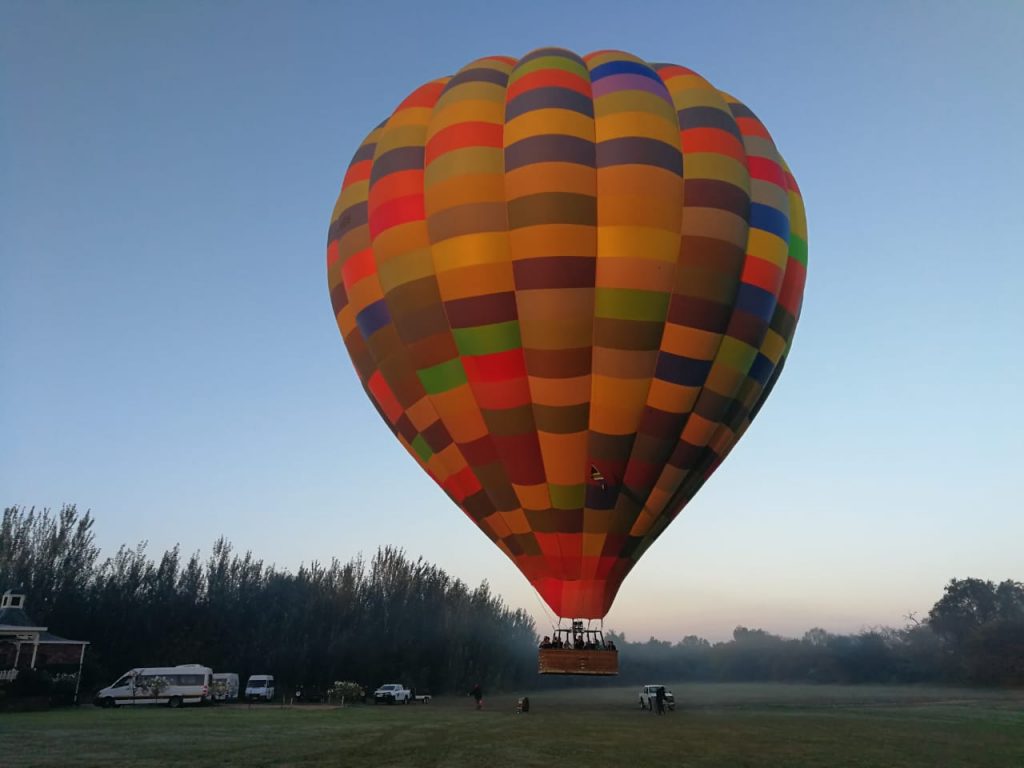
(32, 682)
(346, 691)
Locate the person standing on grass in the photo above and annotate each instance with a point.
(478, 694)
(659, 697)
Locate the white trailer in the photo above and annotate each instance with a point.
(224, 686)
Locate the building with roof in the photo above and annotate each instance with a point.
(25, 644)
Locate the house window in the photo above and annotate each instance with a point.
(10, 600)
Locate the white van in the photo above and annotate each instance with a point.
(260, 687)
(173, 686)
(224, 686)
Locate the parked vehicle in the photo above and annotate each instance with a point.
(173, 686)
(309, 694)
(392, 693)
(224, 686)
(649, 697)
(260, 688)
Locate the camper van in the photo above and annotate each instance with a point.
(224, 686)
(260, 688)
(173, 686)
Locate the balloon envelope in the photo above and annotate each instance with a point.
(567, 284)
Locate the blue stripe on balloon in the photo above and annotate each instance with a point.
(373, 318)
(761, 369)
(755, 301)
(684, 371)
(770, 220)
(622, 68)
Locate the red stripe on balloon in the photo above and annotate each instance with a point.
(393, 186)
(357, 267)
(548, 543)
(762, 273)
(357, 172)
(499, 395)
(750, 126)
(641, 474)
(605, 565)
(385, 397)
(765, 170)
(521, 456)
(792, 291)
(548, 78)
(674, 70)
(333, 252)
(462, 484)
(401, 210)
(462, 135)
(712, 140)
(424, 96)
(495, 367)
(572, 566)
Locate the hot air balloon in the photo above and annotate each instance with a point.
(567, 284)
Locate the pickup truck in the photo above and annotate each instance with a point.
(392, 693)
(649, 697)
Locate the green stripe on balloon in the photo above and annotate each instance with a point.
(736, 354)
(567, 496)
(550, 62)
(798, 248)
(422, 449)
(488, 339)
(630, 304)
(443, 376)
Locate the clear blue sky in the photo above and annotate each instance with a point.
(170, 360)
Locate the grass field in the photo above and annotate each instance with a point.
(714, 725)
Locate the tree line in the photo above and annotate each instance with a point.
(391, 618)
(974, 635)
(403, 620)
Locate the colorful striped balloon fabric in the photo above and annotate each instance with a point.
(568, 284)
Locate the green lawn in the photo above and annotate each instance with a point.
(714, 725)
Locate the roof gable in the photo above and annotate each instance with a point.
(16, 617)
